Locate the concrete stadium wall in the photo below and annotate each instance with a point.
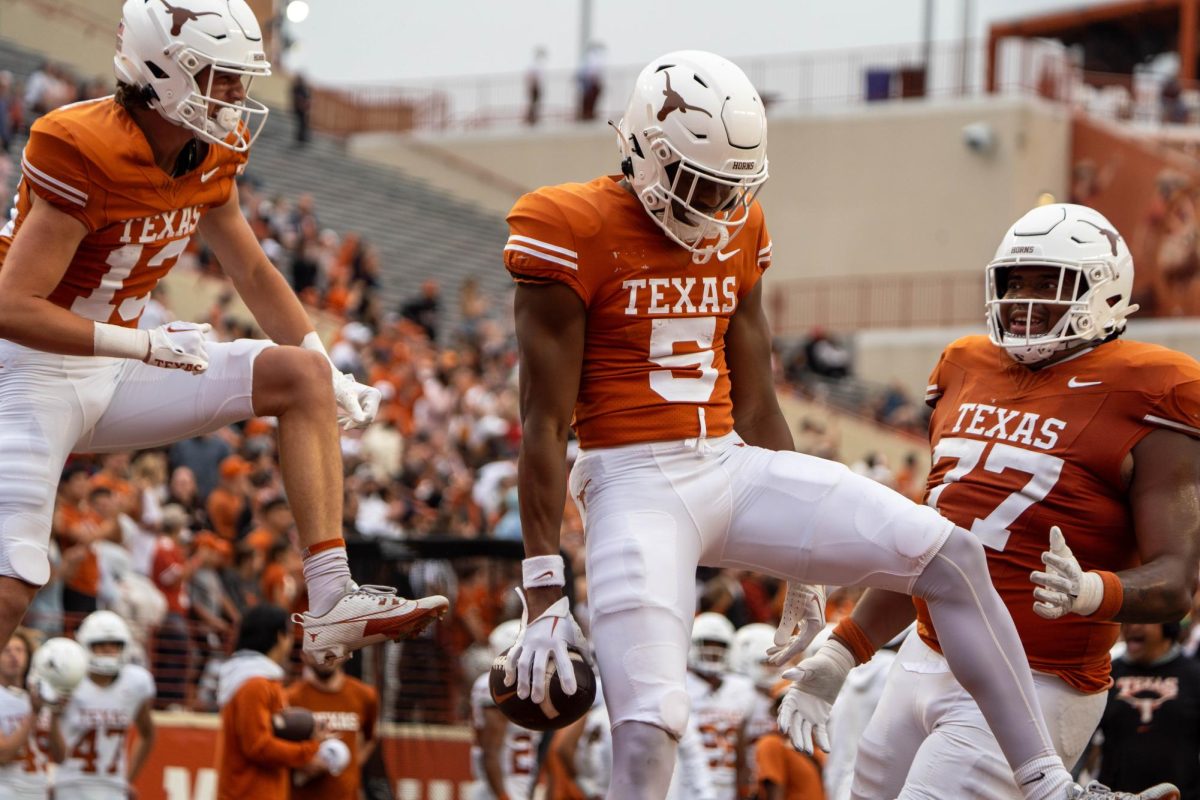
(887, 189)
(80, 33)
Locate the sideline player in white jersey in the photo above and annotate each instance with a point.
(721, 700)
(748, 657)
(89, 736)
(504, 756)
(22, 761)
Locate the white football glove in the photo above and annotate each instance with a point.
(1064, 587)
(804, 712)
(545, 638)
(803, 618)
(179, 345)
(357, 403)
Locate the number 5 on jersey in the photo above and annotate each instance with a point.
(665, 334)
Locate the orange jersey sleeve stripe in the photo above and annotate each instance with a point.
(49, 184)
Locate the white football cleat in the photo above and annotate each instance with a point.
(1097, 791)
(366, 615)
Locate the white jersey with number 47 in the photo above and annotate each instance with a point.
(95, 728)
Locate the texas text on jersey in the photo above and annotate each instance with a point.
(1050, 454)
(654, 360)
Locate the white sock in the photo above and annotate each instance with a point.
(1052, 783)
(326, 573)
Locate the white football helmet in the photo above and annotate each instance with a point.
(104, 626)
(712, 639)
(748, 655)
(59, 662)
(163, 45)
(504, 636)
(693, 144)
(1095, 279)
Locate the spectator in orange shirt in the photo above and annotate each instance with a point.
(278, 581)
(350, 709)
(227, 502)
(275, 524)
(171, 573)
(785, 773)
(251, 761)
(114, 476)
(77, 526)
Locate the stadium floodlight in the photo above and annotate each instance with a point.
(297, 11)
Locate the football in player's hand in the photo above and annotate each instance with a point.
(293, 724)
(558, 709)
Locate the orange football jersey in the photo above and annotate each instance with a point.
(654, 351)
(1016, 451)
(351, 709)
(90, 160)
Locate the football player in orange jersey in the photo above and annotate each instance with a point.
(639, 317)
(1072, 455)
(111, 193)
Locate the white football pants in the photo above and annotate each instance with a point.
(926, 719)
(653, 512)
(52, 405)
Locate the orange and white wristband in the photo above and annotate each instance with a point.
(539, 571)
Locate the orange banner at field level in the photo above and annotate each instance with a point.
(423, 762)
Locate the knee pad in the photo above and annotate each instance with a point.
(26, 504)
(24, 546)
(642, 656)
(959, 563)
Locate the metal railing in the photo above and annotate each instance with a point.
(788, 83)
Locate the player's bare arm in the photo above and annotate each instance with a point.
(144, 723)
(263, 288)
(550, 323)
(756, 413)
(491, 742)
(1165, 496)
(566, 745)
(882, 615)
(40, 254)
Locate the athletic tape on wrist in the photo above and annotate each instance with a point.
(541, 571)
(116, 341)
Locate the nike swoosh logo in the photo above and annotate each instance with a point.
(500, 698)
(1034, 779)
(172, 329)
(1075, 383)
(204, 176)
(726, 256)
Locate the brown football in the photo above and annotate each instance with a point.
(293, 724)
(558, 709)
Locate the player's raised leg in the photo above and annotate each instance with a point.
(293, 384)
